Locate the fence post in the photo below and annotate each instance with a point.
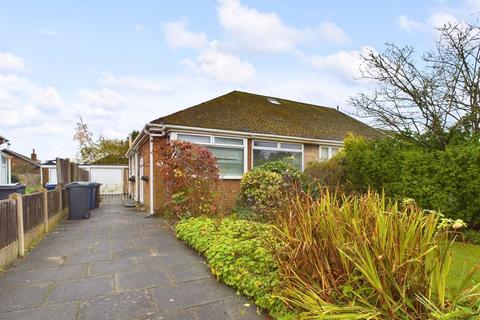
(45, 209)
(21, 235)
(60, 199)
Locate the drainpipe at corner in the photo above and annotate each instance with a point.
(151, 178)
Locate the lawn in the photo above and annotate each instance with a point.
(465, 258)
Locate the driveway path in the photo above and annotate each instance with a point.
(117, 265)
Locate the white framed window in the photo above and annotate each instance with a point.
(230, 152)
(4, 169)
(266, 151)
(327, 152)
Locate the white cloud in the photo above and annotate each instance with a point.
(139, 28)
(332, 33)
(266, 32)
(222, 66)
(104, 99)
(257, 30)
(47, 98)
(343, 63)
(11, 63)
(177, 35)
(440, 19)
(410, 25)
(136, 83)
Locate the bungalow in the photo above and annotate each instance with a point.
(24, 170)
(243, 130)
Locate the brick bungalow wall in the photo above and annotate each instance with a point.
(310, 153)
(25, 172)
(229, 188)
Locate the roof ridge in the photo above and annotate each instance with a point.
(20, 156)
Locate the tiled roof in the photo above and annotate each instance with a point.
(20, 156)
(247, 112)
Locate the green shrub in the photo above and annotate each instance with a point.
(236, 254)
(366, 257)
(472, 236)
(447, 181)
(263, 189)
(329, 174)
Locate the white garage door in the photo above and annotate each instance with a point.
(110, 178)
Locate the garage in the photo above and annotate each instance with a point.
(111, 178)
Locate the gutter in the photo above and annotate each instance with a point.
(248, 134)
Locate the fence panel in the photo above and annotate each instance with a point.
(32, 210)
(53, 202)
(8, 222)
(64, 199)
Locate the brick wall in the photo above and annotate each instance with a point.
(228, 193)
(310, 153)
(25, 172)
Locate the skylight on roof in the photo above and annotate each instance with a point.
(274, 101)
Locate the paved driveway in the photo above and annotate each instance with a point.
(117, 265)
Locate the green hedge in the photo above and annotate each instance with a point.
(448, 181)
(236, 253)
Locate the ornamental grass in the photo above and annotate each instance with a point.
(367, 257)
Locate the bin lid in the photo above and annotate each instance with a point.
(12, 186)
(78, 184)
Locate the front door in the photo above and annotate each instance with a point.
(140, 181)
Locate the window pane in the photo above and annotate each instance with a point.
(262, 156)
(230, 161)
(231, 141)
(334, 151)
(265, 144)
(323, 153)
(193, 138)
(3, 170)
(293, 146)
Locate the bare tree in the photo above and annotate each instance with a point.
(429, 99)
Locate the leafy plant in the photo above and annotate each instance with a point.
(237, 256)
(366, 257)
(263, 189)
(190, 178)
(447, 181)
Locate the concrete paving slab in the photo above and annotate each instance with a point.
(101, 268)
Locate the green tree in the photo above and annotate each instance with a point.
(100, 151)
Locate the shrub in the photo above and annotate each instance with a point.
(236, 254)
(365, 257)
(329, 174)
(447, 181)
(190, 177)
(263, 189)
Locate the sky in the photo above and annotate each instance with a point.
(120, 64)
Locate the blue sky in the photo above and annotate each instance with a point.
(120, 64)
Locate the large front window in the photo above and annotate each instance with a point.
(229, 152)
(266, 151)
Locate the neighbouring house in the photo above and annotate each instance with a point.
(243, 130)
(112, 177)
(24, 169)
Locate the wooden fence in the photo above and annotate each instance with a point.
(25, 218)
(8, 222)
(33, 212)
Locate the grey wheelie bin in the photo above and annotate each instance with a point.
(7, 189)
(78, 199)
